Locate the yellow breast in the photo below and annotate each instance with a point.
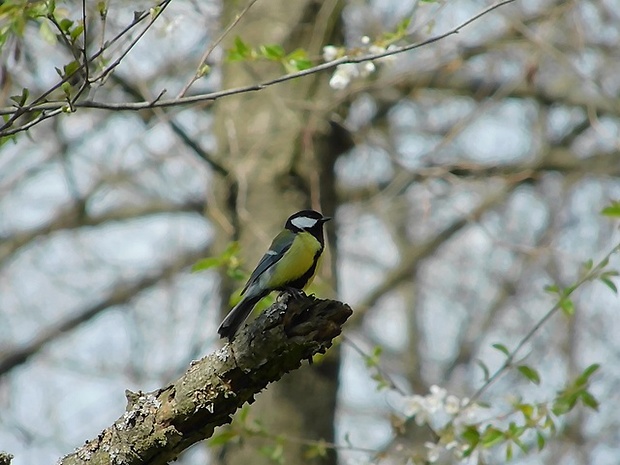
(296, 261)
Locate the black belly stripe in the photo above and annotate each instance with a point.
(299, 283)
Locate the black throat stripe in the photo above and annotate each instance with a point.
(301, 282)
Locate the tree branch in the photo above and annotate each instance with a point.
(157, 426)
(57, 106)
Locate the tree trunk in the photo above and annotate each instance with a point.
(271, 141)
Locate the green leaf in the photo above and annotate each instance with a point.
(552, 289)
(471, 436)
(609, 283)
(236, 274)
(530, 373)
(298, 60)
(485, 369)
(502, 348)
(76, 31)
(206, 263)
(66, 88)
(382, 383)
(204, 70)
(318, 449)
(240, 51)
(402, 27)
(51, 7)
(515, 430)
(299, 65)
(35, 9)
(540, 440)
(231, 251)
(612, 210)
(223, 438)
(584, 377)
(509, 452)
(561, 406)
(588, 265)
(567, 306)
(21, 99)
(521, 445)
(65, 24)
(272, 52)
(589, 400)
(102, 8)
(275, 453)
(372, 360)
(527, 410)
(46, 33)
(154, 12)
(241, 46)
(550, 425)
(5, 139)
(492, 436)
(70, 68)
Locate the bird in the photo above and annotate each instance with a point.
(289, 265)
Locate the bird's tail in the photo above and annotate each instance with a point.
(237, 316)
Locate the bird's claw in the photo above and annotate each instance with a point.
(295, 293)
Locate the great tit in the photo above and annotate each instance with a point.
(289, 264)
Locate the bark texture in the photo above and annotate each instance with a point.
(157, 426)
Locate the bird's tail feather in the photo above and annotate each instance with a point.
(237, 316)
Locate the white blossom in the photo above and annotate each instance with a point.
(436, 397)
(414, 405)
(330, 53)
(390, 58)
(433, 452)
(343, 75)
(367, 69)
(452, 405)
(376, 49)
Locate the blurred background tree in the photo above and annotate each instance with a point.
(464, 176)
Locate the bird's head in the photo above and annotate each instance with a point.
(306, 220)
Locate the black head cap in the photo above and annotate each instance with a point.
(307, 220)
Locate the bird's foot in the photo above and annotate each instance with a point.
(295, 293)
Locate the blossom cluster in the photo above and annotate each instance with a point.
(346, 72)
(447, 415)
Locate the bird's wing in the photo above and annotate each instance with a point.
(278, 247)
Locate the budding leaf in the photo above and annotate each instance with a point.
(612, 210)
(530, 373)
(502, 348)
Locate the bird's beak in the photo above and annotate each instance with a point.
(325, 219)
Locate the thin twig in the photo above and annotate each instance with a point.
(198, 74)
(36, 104)
(380, 370)
(592, 274)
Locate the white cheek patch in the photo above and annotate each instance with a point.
(303, 222)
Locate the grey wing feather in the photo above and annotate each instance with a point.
(277, 249)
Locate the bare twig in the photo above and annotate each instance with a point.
(215, 43)
(589, 276)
